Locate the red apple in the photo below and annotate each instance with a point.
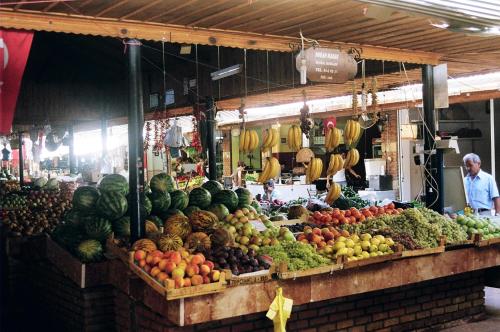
(210, 264)
(192, 269)
(206, 280)
(176, 257)
(187, 282)
(196, 280)
(170, 266)
(204, 270)
(179, 282)
(139, 254)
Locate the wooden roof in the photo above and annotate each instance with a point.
(267, 24)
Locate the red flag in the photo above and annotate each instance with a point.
(14, 49)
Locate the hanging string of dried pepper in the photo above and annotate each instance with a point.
(147, 136)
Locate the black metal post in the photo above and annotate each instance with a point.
(21, 160)
(211, 140)
(431, 187)
(135, 150)
(72, 159)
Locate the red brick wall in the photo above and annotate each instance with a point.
(439, 303)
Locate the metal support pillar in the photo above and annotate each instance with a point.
(432, 162)
(135, 150)
(21, 159)
(211, 140)
(72, 159)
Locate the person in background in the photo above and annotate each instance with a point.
(178, 168)
(481, 188)
(5, 156)
(270, 193)
(200, 167)
(238, 174)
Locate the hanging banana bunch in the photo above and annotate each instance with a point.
(333, 193)
(271, 170)
(295, 138)
(271, 140)
(332, 139)
(249, 140)
(351, 158)
(314, 170)
(336, 164)
(352, 132)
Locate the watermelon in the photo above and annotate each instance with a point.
(162, 183)
(155, 220)
(190, 209)
(40, 182)
(112, 205)
(167, 214)
(213, 186)
(89, 251)
(160, 202)
(113, 183)
(256, 206)
(220, 210)
(68, 235)
(228, 198)
(75, 217)
(85, 198)
(179, 200)
(200, 197)
(52, 184)
(121, 227)
(98, 229)
(244, 196)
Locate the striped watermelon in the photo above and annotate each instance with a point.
(213, 186)
(200, 197)
(220, 210)
(228, 198)
(179, 200)
(85, 199)
(244, 196)
(112, 205)
(160, 202)
(190, 209)
(98, 229)
(113, 183)
(121, 227)
(162, 183)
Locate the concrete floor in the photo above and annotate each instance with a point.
(492, 323)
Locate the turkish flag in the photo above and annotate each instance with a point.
(14, 49)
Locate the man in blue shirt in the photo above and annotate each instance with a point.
(482, 191)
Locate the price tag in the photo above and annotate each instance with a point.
(258, 225)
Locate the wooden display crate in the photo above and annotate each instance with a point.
(480, 242)
(114, 251)
(426, 251)
(283, 272)
(84, 275)
(178, 293)
(249, 278)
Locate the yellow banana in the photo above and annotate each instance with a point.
(255, 140)
(328, 139)
(347, 161)
(298, 138)
(276, 167)
(333, 193)
(334, 138)
(276, 137)
(267, 140)
(355, 159)
(339, 162)
(314, 170)
(331, 165)
(248, 140)
(264, 176)
(290, 138)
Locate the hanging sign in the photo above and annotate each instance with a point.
(327, 65)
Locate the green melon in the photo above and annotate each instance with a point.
(113, 183)
(256, 206)
(244, 196)
(85, 199)
(112, 205)
(213, 186)
(89, 251)
(220, 210)
(160, 202)
(190, 209)
(68, 235)
(98, 229)
(121, 227)
(179, 199)
(40, 182)
(228, 198)
(200, 197)
(52, 184)
(162, 183)
(75, 217)
(156, 220)
(147, 206)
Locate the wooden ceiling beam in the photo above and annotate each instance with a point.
(254, 13)
(162, 14)
(199, 10)
(178, 34)
(141, 9)
(222, 12)
(110, 8)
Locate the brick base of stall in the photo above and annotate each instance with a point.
(430, 305)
